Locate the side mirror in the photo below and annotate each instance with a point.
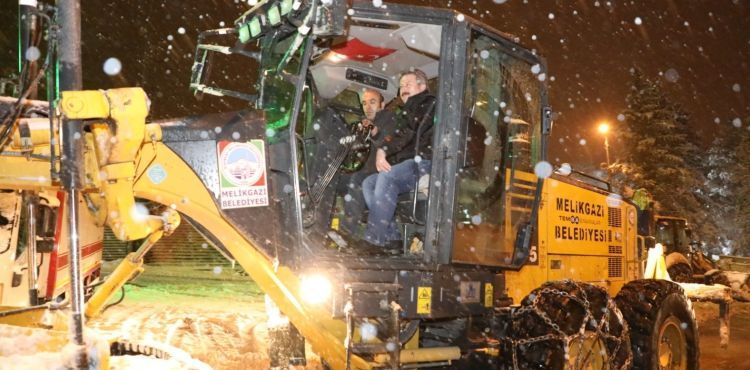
(565, 169)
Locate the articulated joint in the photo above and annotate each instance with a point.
(117, 171)
(116, 148)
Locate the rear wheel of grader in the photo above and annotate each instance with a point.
(570, 325)
(663, 331)
(681, 272)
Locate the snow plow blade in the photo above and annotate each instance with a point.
(36, 317)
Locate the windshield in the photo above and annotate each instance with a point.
(665, 235)
(683, 240)
(280, 60)
(496, 183)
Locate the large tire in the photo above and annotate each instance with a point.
(564, 305)
(681, 272)
(663, 331)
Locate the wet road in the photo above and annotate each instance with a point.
(737, 355)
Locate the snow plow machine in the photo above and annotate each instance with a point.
(504, 262)
(686, 263)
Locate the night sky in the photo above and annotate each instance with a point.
(697, 49)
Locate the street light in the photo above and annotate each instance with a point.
(604, 130)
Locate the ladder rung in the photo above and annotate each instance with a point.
(523, 186)
(521, 196)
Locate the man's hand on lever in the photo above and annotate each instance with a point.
(367, 123)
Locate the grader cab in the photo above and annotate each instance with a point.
(503, 263)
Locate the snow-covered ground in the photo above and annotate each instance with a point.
(216, 315)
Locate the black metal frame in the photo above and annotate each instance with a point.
(439, 234)
(433, 268)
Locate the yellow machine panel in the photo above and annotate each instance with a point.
(583, 234)
(580, 221)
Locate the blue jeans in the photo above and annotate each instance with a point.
(381, 191)
(354, 203)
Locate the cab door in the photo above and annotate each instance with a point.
(500, 132)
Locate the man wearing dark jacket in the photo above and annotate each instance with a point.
(382, 123)
(401, 159)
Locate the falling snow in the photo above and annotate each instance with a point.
(112, 66)
(32, 54)
(671, 75)
(565, 169)
(543, 169)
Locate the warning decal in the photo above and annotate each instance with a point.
(424, 300)
(488, 292)
(242, 174)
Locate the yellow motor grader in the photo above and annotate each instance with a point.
(505, 262)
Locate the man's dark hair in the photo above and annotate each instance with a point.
(365, 90)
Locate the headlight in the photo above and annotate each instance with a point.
(315, 289)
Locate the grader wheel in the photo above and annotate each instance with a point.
(681, 272)
(663, 331)
(568, 325)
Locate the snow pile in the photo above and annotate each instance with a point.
(142, 362)
(16, 341)
(41, 360)
(710, 293)
(29, 348)
(24, 348)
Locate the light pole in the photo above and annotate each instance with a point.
(604, 130)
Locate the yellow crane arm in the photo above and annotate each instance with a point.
(120, 136)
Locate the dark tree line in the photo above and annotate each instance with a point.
(663, 155)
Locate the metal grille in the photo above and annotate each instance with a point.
(615, 217)
(615, 249)
(615, 267)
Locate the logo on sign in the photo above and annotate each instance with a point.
(242, 169)
(242, 164)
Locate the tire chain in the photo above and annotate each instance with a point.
(567, 339)
(124, 347)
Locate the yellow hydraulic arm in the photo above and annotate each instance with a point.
(117, 123)
(126, 148)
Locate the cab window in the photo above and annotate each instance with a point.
(496, 183)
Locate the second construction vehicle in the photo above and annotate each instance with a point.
(505, 264)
